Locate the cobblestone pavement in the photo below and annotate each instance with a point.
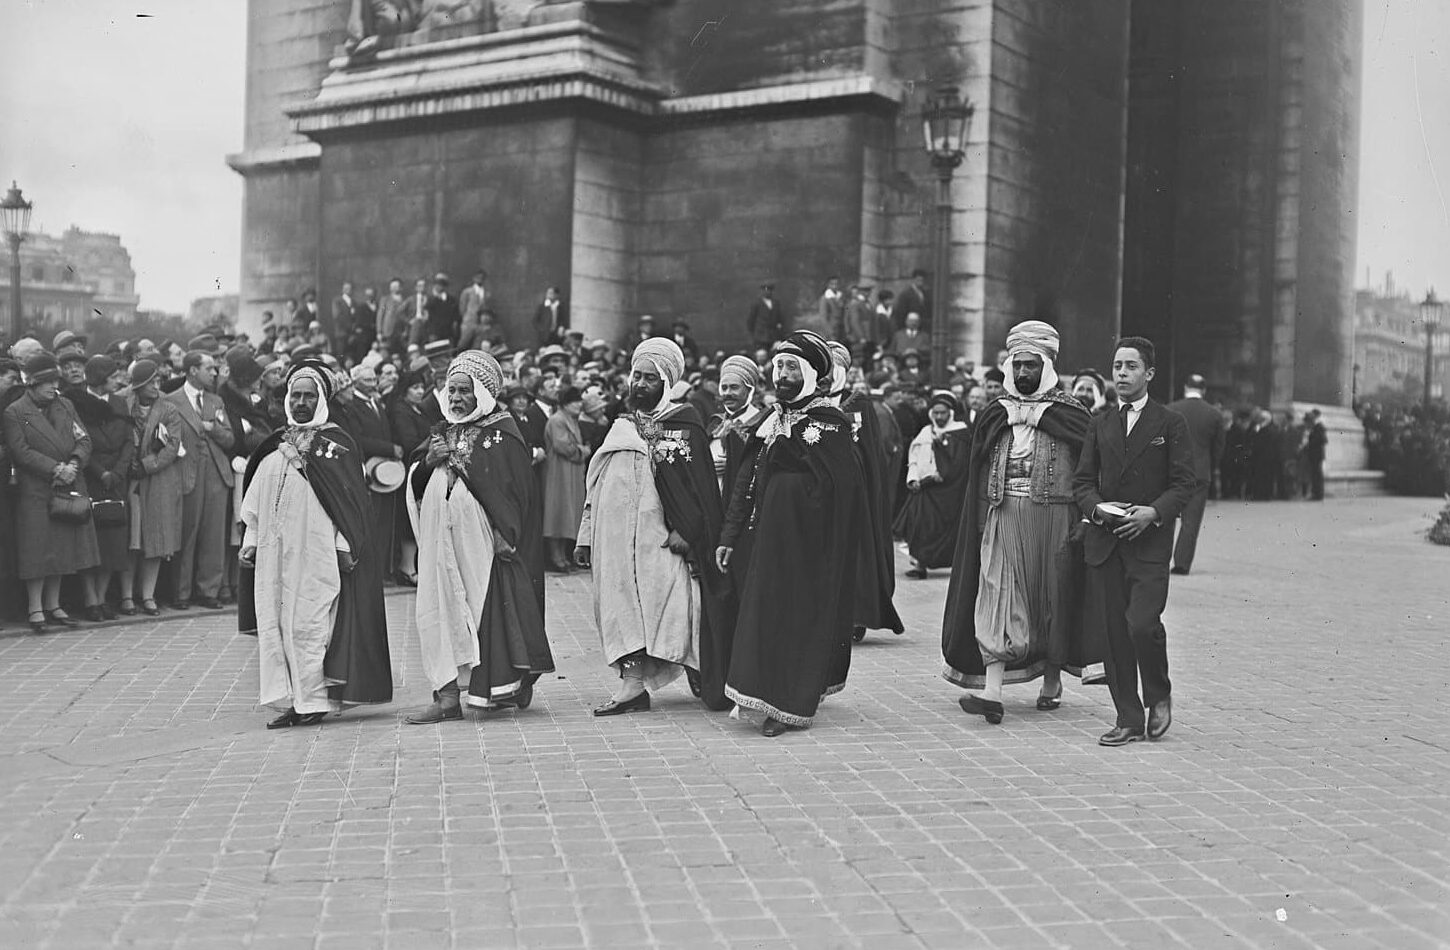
(1299, 800)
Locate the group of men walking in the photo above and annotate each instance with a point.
(745, 555)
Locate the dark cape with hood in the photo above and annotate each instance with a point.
(690, 497)
(500, 477)
(793, 636)
(1072, 644)
(876, 562)
(357, 655)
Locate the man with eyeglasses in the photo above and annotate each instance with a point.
(206, 482)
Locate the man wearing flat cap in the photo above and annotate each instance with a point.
(802, 500)
(651, 517)
(1013, 611)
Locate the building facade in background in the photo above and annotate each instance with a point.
(66, 281)
(1389, 346)
(1181, 169)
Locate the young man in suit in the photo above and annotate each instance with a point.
(207, 481)
(1137, 463)
(1205, 430)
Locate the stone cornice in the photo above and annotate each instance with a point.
(300, 154)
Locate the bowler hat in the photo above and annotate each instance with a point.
(142, 372)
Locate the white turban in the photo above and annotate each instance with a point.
(326, 384)
(1039, 339)
(742, 370)
(667, 359)
(487, 378)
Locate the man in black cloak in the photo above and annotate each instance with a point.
(793, 636)
(312, 592)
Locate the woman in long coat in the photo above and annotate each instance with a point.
(107, 419)
(49, 448)
(410, 430)
(564, 477)
(157, 492)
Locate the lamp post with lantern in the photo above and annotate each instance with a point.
(945, 121)
(15, 217)
(1431, 312)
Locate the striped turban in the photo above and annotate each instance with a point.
(742, 370)
(814, 355)
(1033, 336)
(487, 377)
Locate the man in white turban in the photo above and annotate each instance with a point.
(651, 516)
(314, 594)
(740, 414)
(1014, 610)
(474, 505)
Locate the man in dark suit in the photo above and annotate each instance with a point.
(1315, 442)
(206, 480)
(551, 318)
(444, 317)
(1135, 476)
(1205, 429)
(363, 417)
(339, 331)
(766, 322)
(913, 299)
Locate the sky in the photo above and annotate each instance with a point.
(116, 122)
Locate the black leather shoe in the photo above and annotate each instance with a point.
(986, 708)
(59, 618)
(1180, 571)
(692, 677)
(1120, 735)
(285, 721)
(149, 608)
(181, 605)
(210, 603)
(37, 622)
(773, 727)
(917, 573)
(93, 614)
(639, 703)
(1160, 717)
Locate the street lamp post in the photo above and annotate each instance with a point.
(944, 121)
(1430, 312)
(15, 217)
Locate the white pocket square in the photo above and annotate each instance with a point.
(1158, 441)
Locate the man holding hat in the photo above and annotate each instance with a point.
(207, 438)
(792, 643)
(1013, 611)
(651, 517)
(314, 598)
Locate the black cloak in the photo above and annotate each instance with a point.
(357, 654)
(793, 636)
(930, 517)
(875, 562)
(500, 477)
(1072, 645)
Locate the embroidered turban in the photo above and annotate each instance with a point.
(665, 356)
(487, 379)
(742, 370)
(482, 367)
(810, 347)
(1033, 336)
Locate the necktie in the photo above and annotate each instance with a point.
(1123, 412)
(198, 407)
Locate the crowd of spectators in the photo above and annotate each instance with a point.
(155, 435)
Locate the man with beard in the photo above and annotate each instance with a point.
(1014, 604)
(792, 641)
(875, 562)
(651, 516)
(314, 598)
(472, 502)
(936, 479)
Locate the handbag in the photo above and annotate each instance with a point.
(109, 513)
(70, 507)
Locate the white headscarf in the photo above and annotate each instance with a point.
(322, 379)
(1040, 339)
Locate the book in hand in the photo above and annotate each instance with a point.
(1110, 513)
